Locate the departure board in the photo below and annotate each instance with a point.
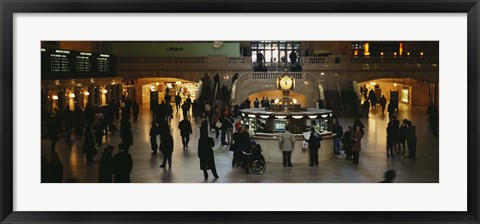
(60, 64)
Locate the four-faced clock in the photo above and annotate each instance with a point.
(286, 83)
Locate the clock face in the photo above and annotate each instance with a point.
(286, 83)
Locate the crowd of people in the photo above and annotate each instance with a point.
(93, 124)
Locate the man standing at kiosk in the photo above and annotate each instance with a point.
(314, 145)
(287, 143)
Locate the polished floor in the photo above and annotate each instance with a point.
(185, 166)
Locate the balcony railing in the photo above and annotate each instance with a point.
(274, 75)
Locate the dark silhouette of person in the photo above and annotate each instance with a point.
(216, 81)
(153, 137)
(188, 101)
(126, 133)
(256, 103)
(366, 107)
(373, 99)
(168, 112)
(358, 123)
(122, 164)
(178, 101)
(313, 146)
(411, 140)
(135, 109)
(185, 109)
(357, 144)
(391, 110)
(293, 58)
(161, 111)
(52, 133)
(320, 104)
(205, 85)
(390, 139)
(205, 153)
(224, 94)
(348, 143)
(56, 169)
(89, 114)
(98, 127)
(105, 165)
(79, 121)
(383, 103)
(185, 131)
(236, 148)
(166, 146)
(89, 144)
(389, 176)
(68, 122)
(338, 130)
(234, 77)
(260, 59)
(402, 136)
(168, 98)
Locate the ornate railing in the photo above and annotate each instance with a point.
(274, 75)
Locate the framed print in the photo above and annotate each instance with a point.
(246, 112)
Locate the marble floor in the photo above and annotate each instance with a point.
(185, 166)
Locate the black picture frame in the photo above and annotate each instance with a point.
(9, 7)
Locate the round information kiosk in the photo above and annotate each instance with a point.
(265, 125)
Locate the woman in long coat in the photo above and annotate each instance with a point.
(205, 153)
(357, 144)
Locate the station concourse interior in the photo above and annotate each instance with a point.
(330, 75)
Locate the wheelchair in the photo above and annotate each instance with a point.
(254, 161)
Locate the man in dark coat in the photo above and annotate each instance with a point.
(185, 131)
(178, 101)
(166, 146)
(205, 153)
(153, 137)
(122, 164)
(314, 145)
(135, 109)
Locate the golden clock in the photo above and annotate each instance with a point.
(285, 83)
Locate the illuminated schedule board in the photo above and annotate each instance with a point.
(66, 64)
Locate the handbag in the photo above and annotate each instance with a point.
(218, 124)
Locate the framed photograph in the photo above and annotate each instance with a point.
(241, 112)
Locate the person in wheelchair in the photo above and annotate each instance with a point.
(253, 159)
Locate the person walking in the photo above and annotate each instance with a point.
(89, 147)
(205, 153)
(135, 109)
(383, 102)
(287, 144)
(122, 164)
(402, 136)
(357, 144)
(178, 101)
(52, 133)
(314, 145)
(166, 146)
(153, 137)
(348, 143)
(185, 131)
(338, 130)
